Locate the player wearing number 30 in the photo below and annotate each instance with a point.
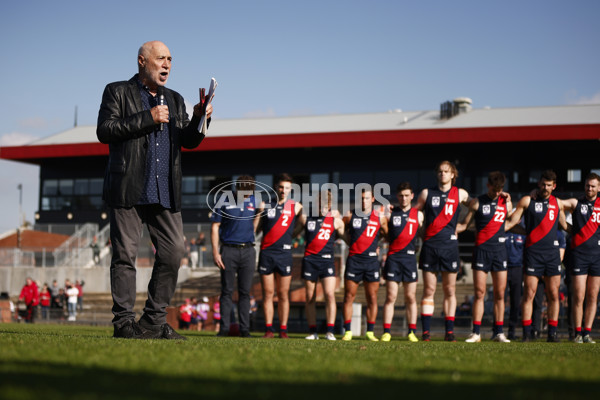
(490, 211)
(362, 264)
(542, 215)
(275, 262)
(440, 246)
(318, 263)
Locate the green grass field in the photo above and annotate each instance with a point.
(75, 362)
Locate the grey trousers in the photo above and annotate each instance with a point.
(240, 261)
(166, 232)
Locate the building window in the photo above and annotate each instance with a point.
(574, 175)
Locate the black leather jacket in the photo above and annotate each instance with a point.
(124, 125)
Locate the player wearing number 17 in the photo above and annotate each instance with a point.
(542, 214)
(490, 211)
(440, 245)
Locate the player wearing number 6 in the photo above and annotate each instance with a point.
(542, 216)
(277, 221)
(440, 246)
(583, 262)
(321, 231)
(362, 264)
(490, 211)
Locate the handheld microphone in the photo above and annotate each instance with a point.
(160, 93)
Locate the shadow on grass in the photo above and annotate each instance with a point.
(29, 380)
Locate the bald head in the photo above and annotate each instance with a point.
(154, 64)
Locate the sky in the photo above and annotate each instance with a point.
(283, 58)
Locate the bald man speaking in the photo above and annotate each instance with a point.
(145, 126)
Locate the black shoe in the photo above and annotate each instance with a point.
(449, 337)
(526, 339)
(222, 334)
(169, 333)
(245, 334)
(129, 330)
(553, 338)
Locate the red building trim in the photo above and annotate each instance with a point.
(334, 139)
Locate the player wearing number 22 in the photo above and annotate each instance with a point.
(440, 245)
(363, 228)
(277, 222)
(543, 213)
(490, 211)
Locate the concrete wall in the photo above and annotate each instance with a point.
(97, 279)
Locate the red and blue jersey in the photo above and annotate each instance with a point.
(586, 227)
(441, 217)
(364, 233)
(320, 236)
(489, 222)
(278, 225)
(541, 224)
(402, 231)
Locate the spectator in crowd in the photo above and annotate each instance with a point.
(72, 293)
(53, 290)
(515, 245)
(466, 307)
(30, 296)
(95, 250)
(185, 315)
(253, 311)
(201, 243)
(58, 304)
(79, 286)
(202, 309)
(45, 299)
(193, 253)
(217, 315)
(194, 319)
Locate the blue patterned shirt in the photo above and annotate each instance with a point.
(157, 182)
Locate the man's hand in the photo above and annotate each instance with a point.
(198, 110)
(160, 114)
(218, 261)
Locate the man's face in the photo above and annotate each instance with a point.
(367, 200)
(283, 189)
(591, 188)
(546, 188)
(405, 198)
(445, 174)
(155, 65)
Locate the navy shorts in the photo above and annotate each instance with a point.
(361, 269)
(582, 264)
(435, 259)
(537, 263)
(401, 267)
(316, 267)
(490, 260)
(269, 262)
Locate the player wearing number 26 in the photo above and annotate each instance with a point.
(543, 213)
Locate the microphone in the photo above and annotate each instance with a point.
(160, 93)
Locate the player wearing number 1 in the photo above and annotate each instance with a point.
(318, 262)
(277, 221)
(490, 211)
(583, 262)
(440, 246)
(362, 263)
(542, 216)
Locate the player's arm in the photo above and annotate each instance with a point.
(300, 222)
(517, 214)
(569, 205)
(383, 221)
(257, 216)
(347, 221)
(338, 225)
(463, 197)
(422, 199)
(214, 240)
(562, 220)
(473, 207)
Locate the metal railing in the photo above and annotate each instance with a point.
(76, 251)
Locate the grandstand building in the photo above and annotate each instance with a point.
(387, 147)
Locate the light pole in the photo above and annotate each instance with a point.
(20, 188)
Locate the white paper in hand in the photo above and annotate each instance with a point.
(209, 97)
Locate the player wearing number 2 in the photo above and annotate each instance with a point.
(542, 216)
(490, 211)
(277, 222)
(583, 262)
(318, 262)
(362, 264)
(440, 246)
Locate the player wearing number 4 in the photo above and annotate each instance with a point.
(277, 222)
(583, 262)
(440, 246)
(490, 211)
(362, 264)
(542, 216)
(321, 229)
(401, 262)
